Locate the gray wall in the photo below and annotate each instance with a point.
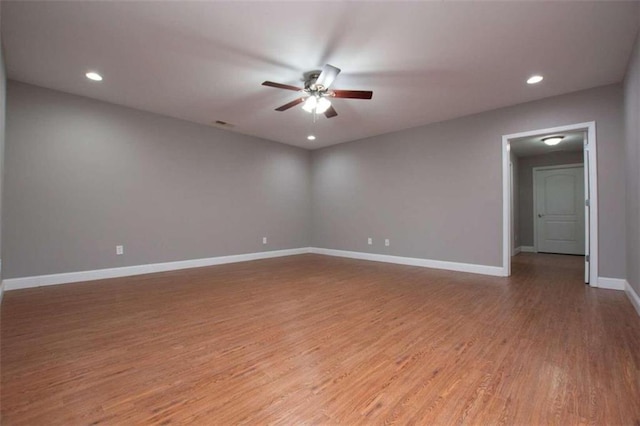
(3, 96)
(84, 175)
(436, 190)
(632, 166)
(525, 187)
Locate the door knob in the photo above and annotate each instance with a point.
(540, 215)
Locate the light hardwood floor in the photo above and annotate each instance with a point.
(319, 340)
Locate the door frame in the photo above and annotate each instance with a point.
(535, 204)
(592, 185)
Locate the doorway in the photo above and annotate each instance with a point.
(579, 139)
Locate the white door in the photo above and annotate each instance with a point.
(560, 210)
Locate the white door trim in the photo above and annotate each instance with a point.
(535, 198)
(590, 128)
(512, 213)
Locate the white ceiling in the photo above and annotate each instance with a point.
(530, 146)
(424, 61)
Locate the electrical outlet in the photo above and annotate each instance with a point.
(369, 240)
(386, 242)
(119, 250)
(264, 240)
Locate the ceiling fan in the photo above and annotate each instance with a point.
(316, 92)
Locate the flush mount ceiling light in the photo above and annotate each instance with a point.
(535, 79)
(91, 75)
(311, 138)
(552, 140)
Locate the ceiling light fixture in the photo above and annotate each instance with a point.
(310, 104)
(535, 79)
(317, 104)
(94, 76)
(552, 140)
(311, 138)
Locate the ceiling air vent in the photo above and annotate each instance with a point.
(223, 124)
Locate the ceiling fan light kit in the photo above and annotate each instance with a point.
(317, 104)
(316, 92)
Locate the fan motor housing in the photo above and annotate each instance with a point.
(310, 78)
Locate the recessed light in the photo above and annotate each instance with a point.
(552, 140)
(311, 138)
(94, 76)
(535, 79)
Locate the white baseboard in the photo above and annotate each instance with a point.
(516, 250)
(633, 296)
(412, 261)
(72, 277)
(611, 283)
(527, 249)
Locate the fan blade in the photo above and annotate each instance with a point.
(330, 112)
(353, 94)
(281, 86)
(326, 77)
(290, 104)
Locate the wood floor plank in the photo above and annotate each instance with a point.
(311, 339)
